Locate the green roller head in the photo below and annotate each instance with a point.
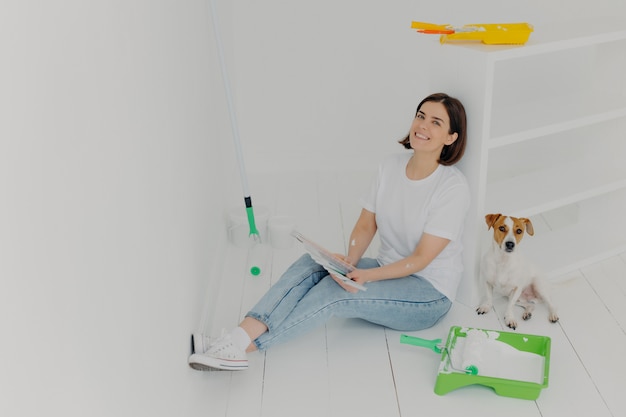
(251, 222)
(471, 370)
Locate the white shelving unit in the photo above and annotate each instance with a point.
(546, 140)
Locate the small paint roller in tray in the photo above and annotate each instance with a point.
(513, 364)
(467, 356)
(487, 33)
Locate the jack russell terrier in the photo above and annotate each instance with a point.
(506, 272)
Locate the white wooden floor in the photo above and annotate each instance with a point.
(352, 368)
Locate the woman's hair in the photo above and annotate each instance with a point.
(450, 154)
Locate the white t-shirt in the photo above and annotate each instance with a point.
(405, 209)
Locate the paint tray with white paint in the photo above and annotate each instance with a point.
(513, 364)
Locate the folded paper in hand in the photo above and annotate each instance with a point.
(328, 260)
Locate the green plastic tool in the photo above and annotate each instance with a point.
(450, 378)
(254, 233)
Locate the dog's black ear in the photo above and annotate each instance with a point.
(491, 219)
(529, 226)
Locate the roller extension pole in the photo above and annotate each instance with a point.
(254, 267)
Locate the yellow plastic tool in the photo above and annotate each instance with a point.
(487, 33)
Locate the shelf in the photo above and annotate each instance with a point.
(545, 139)
(595, 232)
(546, 190)
(542, 95)
(547, 172)
(568, 117)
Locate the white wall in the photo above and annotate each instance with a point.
(116, 165)
(111, 205)
(327, 83)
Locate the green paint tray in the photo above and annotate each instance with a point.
(512, 364)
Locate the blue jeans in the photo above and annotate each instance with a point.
(306, 297)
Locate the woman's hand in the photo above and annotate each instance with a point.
(343, 284)
(339, 280)
(358, 275)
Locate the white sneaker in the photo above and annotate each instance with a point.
(200, 343)
(223, 354)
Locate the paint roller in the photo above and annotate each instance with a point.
(472, 351)
(466, 355)
(258, 254)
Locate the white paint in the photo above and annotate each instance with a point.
(473, 349)
(497, 359)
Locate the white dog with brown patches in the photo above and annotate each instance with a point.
(506, 272)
